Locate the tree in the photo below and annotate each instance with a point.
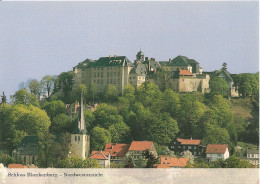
(218, 86)
(216, 135)
(52, 149)
(148, 94)
(6, 159)
(162, 129)
(17, 121)
(129, 93)
(92, 92)
(23, 97)
(120, 133)
(54, 108)
(163, 78)
(189, 115)
(61, 123)
(64, 83)
(99, 138)
(231, 162)
(170, 102)
(3, 99)
(35, 88)
(151, 159)
(106, 115)
(248, 84)
(76, 92)
(47, 83)
(110, 93)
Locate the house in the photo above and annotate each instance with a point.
(138, 148)
(102, 157)
(252, 156)
(27, 151)
(217, 151)
(193, 145)
(171, 162)
(117, 151)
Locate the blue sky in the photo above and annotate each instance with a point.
(40, 38)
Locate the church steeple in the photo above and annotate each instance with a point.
(81, 123)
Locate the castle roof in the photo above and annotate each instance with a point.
(111, 61)
(185, 72)
(139, 54)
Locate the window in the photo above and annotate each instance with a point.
(163, 162)
(184, 147)
(79, 138)
(118, 74)
(199, 153)
(75, 138)
(168, 162)
(172, 147)
(189, 147)
(179, 146)
(111, 74)
(174, 142)
(195, 147)
(107, 74)
(24, 159)
(95, 74)
(102, 73)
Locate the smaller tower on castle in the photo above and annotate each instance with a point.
(80, 140)
(140, 56)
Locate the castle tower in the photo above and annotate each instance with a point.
(140, 56)
(80, 140)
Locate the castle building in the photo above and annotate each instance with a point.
(112, 70)
(80, 140)
(186, 74)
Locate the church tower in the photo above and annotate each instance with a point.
(80, 140)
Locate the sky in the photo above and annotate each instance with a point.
(47, 38)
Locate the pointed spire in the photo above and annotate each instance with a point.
(82, 119)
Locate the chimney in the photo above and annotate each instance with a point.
(170, 60)
(149, 66)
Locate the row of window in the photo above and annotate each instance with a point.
(101, 68)
(252, 155)
(184, 147)
(109, 74)
(77, 138)
(111, 81)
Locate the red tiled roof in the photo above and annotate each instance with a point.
(173, 161)
(17, 166)
(185, 72)
(140, 145)
(99, 155)
(216, 148)
(118, 150)
(189, 141)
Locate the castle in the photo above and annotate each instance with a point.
(185, 75)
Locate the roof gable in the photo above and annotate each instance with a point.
(216, 148)
(100, 155)
(118, 150)
(189, 141)
(173, 161)
(185, 72)
(140, 145)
